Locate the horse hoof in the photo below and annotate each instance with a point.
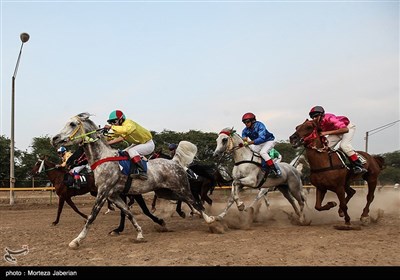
(241, 207)
(183, 215)
(114, 233)
(341, 214)
(365, 220)
(74, 245)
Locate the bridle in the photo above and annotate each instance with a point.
(85, 136)
(231, 148)
(310, 140)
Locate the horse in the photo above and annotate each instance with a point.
(208, 176)
(247, 172)
(56, 177)
(167, 178)
(65, 194)
(330, 172)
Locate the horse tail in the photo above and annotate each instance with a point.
(380, 160)
(185, 153)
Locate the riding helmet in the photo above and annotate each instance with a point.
(116, 115)
(248, 117)
(172, 146)
(61, 150)
(316, 111)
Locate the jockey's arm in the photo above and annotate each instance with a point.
(342, 130)
(116, 140)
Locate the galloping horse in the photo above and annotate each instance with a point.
(167, 178)
(56, 177)
(247, 172)
(329, 172)
(208, 176)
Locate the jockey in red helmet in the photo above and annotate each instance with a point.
(260, 140)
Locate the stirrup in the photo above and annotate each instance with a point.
(359, 170)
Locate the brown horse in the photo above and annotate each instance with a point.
(65, 194)
(330, 172)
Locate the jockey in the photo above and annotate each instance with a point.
(337, 129)
(65, 155)
(260, 140)
(77, 166)
(172, 149)
(139, 138)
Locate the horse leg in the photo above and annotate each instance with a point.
(119, 202)
(343, 205)
(228, 205)
(73, 206)
(204, 190)
(285, 191)
(370, 197)
(235, 195)
(99, 202)
(153, 204)
(59, 210)
(179, 209)
(350, 192)
(121, 226)
(262, 193)
(139, 199)
(320, 194)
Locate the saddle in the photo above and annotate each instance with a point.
(69, 179)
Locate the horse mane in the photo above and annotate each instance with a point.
(185, 153)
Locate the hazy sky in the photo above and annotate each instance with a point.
(182, 65)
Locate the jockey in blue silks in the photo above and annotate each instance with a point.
(261, 141)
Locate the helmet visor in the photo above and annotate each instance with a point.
(245, 121)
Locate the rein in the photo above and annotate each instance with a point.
(310, 141)
(231, 148)
(43, 167)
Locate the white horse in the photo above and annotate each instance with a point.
(247, 172)
(167, 178)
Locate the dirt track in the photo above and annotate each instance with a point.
(272, 240)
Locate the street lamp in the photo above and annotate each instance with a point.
(376, 130)
(24, 38)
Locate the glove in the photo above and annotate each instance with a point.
(245, 143)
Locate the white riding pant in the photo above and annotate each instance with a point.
(264, 149)
(344, 139)
(77, 169)
(141, 149)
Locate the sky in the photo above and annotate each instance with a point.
(200, 65)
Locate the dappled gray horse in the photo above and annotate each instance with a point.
(167, 178)
(247, 172)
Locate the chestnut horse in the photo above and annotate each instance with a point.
(329, 171)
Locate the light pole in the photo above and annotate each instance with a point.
(24, 38)
(376, 130)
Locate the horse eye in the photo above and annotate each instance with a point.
(72, 124)
(224, 141)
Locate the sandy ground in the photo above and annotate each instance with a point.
(271, 240)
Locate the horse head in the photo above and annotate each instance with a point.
(307, 134)
(227, 141)
(75, 131)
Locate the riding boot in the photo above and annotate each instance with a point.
(138, 171)
(358, 167)
(76, 184)
(275, 171)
